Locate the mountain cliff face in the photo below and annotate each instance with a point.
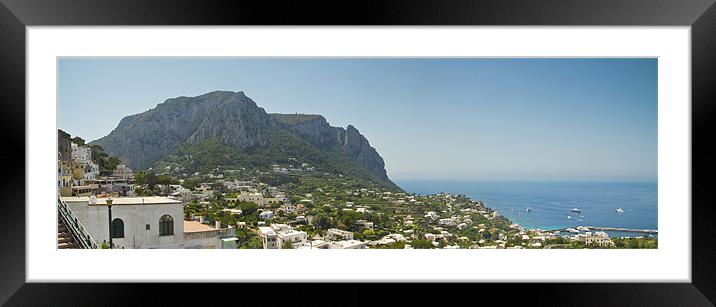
(316, 130)
(141, 139)
(234, 120)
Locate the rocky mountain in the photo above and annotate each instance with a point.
(316, 130)
(233, 124)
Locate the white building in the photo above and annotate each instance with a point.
(335, 234)
(343, 244)
(200, 236)
(81, 153)
(124, 172)
(598, 238)
(82, 157)
(288, 208)
(286, 234)
(362, 210)
(257, 198)
(91, 171)
(266, 215)
(347, 244)
(432, 215)
(138, 222)
(268, 237)
(447, 222)
(364, 224)
(233, 211)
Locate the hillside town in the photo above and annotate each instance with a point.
(290, 205)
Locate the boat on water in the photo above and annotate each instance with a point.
(620, 210)
(569, 217)
(572, 230)
(528, 209)
(576, 210)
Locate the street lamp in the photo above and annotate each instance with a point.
(109, 208)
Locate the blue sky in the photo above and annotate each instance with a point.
(429, 118)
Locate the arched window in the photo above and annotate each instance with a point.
(117, 228)
(166, 225)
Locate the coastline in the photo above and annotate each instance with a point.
(550, 212)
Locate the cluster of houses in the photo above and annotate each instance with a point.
(443, 224)
(160, 222)
(278, 236)
(291, 169)
(598, 238)
(78, 175)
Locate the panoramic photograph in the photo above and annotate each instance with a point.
(357, 153)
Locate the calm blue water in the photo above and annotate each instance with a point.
(551, 202)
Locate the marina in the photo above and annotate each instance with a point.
(648, 231)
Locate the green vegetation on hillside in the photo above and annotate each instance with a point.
(292, 119)
(283, 148)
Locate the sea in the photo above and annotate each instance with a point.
(550, 202)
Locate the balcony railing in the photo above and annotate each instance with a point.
(78, 232)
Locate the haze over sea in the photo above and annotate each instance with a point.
(550, 202)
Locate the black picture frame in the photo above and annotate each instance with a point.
(16, 15)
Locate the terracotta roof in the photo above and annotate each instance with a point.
(194, 226)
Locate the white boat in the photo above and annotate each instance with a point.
(528, 209)
(572, 230)
(620, 210)
(569, 216)
(575, 210)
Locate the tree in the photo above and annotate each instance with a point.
(442, 243)
(255, 243)
(323, 221)
(165, 179)
(287, 245)
(190, 183)
(348, 220)
(422, 244)
(151, 180)
(369, 234)
(99, 156)
(247, 239)
(248, 208)
(112, 163)
(78, 140)
(140, 177)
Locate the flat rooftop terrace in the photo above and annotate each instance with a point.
(194, 226)
(145, 200)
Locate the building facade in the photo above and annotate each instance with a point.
(81, 153)
(138, 222)
(268, 237)
(124, 172)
